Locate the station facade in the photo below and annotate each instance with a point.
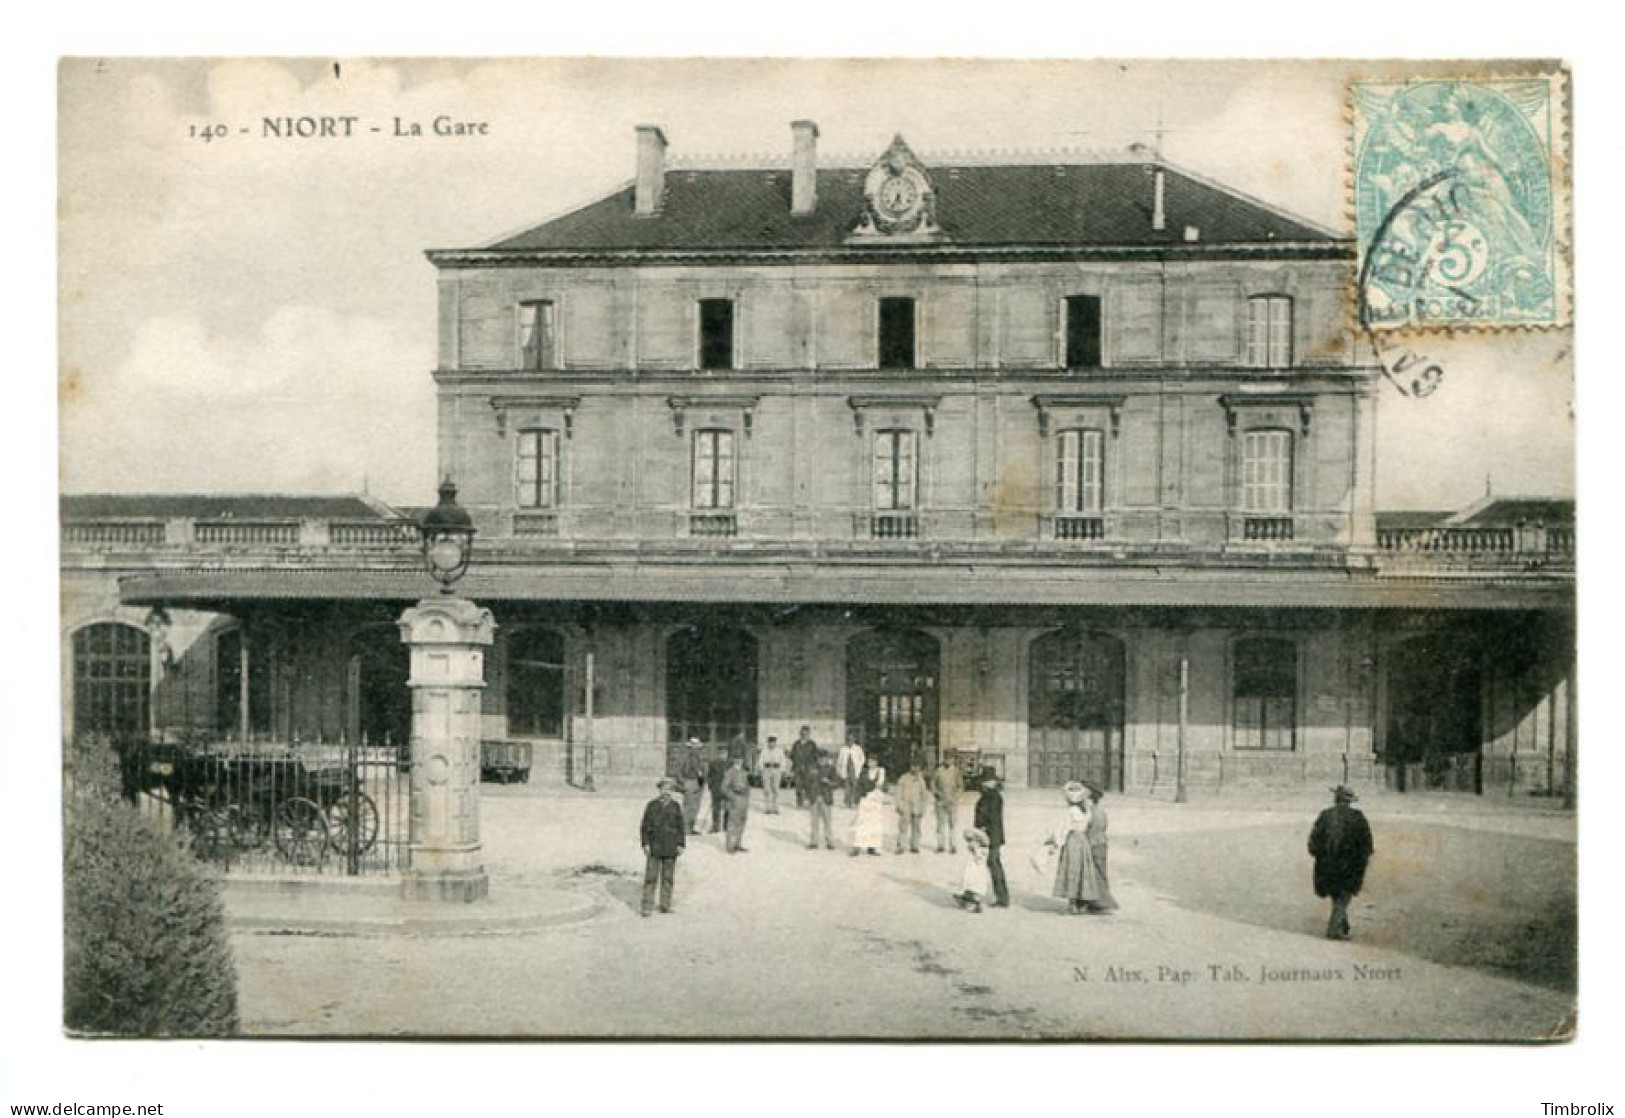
(1067, 462)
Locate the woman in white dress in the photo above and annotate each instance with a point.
(869, 825)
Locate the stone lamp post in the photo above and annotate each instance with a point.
(447, 636)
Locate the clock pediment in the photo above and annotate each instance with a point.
(899, 202)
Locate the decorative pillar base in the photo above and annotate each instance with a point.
(455, 887)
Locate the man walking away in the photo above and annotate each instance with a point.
(911, 796)
(803, 763)
(821, 797)
(946, 787)
(736, 790)
(1340, 844)
(771, 762)
(848, 767)
(663, 835)
(691, 780)
(716, 774)
(990, 821)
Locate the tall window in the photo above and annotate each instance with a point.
(714, 469)
(716, 334)
(1083, 332)
(1266, 471)
(538, 335)
(111, 675)
(897, 333)
(536, 683)
(1080, 471)
(536, 471)
(1269, 331)
(895, 477)
(1265, 693)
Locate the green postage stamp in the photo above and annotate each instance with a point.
(1460, 201)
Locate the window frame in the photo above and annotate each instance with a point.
(108, 698)
(891, 482)
(1074, 480)
(913, 319)
(515, 712)
(1253, 485)
(536, 497)
(1068, 303)
(546, 357)
(1257, 736)
(719, 493)
(1271, 324)
(700, 342)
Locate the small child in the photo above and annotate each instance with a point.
(976, 882)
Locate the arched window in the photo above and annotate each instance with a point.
(112, 677)
(1264, 693)
(711, 684)
(536, 684)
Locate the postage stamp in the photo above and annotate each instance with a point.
(1460, 197)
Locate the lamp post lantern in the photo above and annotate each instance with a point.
(447, 636)
(448, 538)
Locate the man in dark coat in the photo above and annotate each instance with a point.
(716, 773)
(803, 763)
(663, 835)
(1340, 844)
(820, 798)
(990, 819)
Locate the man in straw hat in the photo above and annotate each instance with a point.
(663, 835)
(1340, 844)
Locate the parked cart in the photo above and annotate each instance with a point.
(504, 762)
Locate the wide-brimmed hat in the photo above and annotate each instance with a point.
(664, 783)
(1095, 790)
(976, 834)
(1075, 792)
(987, 776)
(1344, 793)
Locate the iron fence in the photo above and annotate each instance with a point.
(279, 808)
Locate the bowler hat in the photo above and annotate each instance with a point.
(988, 776)
(665, 782)
(1344, 794)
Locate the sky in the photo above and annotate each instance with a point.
(245, 313)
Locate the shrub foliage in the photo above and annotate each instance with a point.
(146, 950)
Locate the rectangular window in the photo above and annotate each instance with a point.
(897, 333)
(1265, 693)
(1269, 332)
(536, 472)
(538, 335)
(714, 469)
(1266, 471)
(1083, 332)
(716, 334)
(895, 483)
(1080, 471)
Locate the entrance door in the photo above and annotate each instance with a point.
(891, 696)
(711, 685)
(1075, 729)
(1435, 730)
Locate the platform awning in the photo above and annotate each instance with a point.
(969, 585)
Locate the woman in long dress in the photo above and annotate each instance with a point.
(1096, 832)
(869, 825)
(1076, 881)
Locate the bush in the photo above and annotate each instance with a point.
(146, 946)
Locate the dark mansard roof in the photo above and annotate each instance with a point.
(1077, 205)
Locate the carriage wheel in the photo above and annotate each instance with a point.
(300, 831)
(249, 825)
(364, 825)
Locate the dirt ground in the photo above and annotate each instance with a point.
(1464, 932)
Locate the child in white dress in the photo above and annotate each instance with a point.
(977, 881)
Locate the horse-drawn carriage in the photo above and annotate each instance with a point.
(304, 802)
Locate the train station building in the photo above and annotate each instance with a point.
(1066, 461)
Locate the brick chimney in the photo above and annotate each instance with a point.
(1159, 209)
(651, 183)
(804, 168)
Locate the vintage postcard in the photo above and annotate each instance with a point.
(818, 549)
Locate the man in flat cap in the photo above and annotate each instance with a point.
(1340, 844)
(663, 835)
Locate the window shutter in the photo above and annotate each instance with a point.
(725, 470)
(1066, 471)
(525, 470)
(906, 475)
(1091, 487)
